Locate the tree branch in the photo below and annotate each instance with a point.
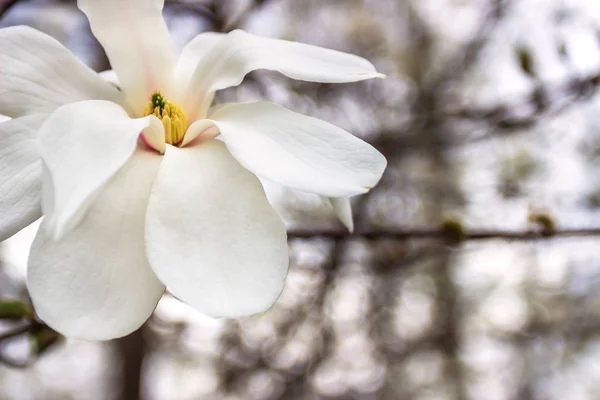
(20, 330)
(7, 6)
(445, 234)
(503, 117)
(239, 20)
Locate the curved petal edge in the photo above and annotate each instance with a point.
(300, 152)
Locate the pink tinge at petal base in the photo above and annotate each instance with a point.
(202, 130)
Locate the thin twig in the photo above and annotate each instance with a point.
(502, 116)
(7, 5)
(466, 57)
(201, 10)
(239, 20)
(435, 233)
(16, 332)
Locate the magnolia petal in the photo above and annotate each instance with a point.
(95, 283)
(297, 151)
(38, 75)
(239, 53)
(343, 209)
(293, 206)
(212, 236)
(83, 145)
(203, 128)
(137, 43)
(154, 135)
(20, 174)
(192, 54)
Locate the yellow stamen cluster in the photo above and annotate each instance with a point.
(172, 116)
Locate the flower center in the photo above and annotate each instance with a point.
(172, 116)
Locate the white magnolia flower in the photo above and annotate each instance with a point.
(124, 217)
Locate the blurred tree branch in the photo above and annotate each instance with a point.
(6, 5)
(132, 350)
(20, 330)
(41, 338)
(445, 234)
(238, 21)
(502, 117)
(213, 12)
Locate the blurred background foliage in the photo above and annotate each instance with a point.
(474, 270)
